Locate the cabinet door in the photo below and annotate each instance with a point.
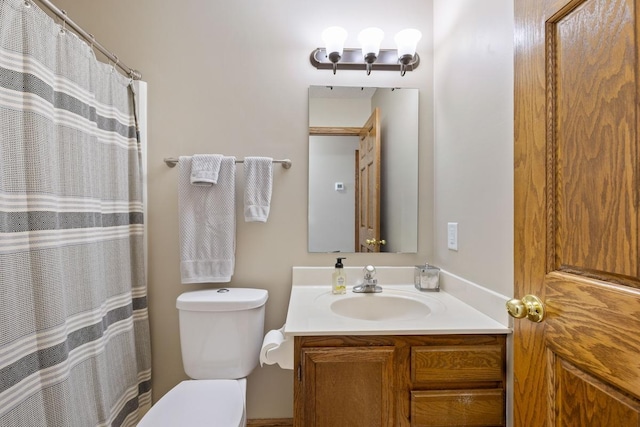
(346, 387)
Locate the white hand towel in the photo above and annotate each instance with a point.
(205, 169)
(207, 225)
(258, 179)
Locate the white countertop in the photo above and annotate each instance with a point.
(310, 313)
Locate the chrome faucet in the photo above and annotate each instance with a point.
(370, 285)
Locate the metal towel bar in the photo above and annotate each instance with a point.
(172, 162)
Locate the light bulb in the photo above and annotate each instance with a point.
(370, 39)
(406, 41)
(334, 38)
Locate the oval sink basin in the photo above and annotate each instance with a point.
(380, 307)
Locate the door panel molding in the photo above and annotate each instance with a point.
(592, 206)
(608, 406)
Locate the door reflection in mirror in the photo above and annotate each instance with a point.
(365, 139)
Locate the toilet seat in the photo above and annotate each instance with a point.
(197, 403)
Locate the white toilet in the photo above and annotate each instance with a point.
(220, 336)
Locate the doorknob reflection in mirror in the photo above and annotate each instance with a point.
(530, 306)
(376, 242)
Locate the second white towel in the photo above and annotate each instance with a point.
(258, 181)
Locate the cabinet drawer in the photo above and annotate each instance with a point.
(457, 363)
(457, 408)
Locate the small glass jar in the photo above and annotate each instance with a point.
(427, 278)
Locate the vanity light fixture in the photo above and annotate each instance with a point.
(334, 55)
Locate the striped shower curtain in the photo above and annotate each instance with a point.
(74, 334)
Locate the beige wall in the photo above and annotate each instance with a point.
(473, 95)
(232, 77)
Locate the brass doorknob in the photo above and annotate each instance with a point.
(530, 306)
(375, 242)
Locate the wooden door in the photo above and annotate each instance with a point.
(346, 387)
(368, 203)
(576, 212)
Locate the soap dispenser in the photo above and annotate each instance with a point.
(339, 278)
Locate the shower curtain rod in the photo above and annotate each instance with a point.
(134, 74)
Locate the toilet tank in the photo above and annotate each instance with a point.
(221, 331)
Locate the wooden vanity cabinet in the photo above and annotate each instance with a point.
(436, 380)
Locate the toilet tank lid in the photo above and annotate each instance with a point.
(223, 299)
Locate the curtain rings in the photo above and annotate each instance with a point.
(91, 43)
(63, 30)
(115, 64)
(27, 3)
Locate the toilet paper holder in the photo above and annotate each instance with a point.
(277, 348)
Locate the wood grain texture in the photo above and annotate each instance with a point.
(348, 386)
(596, 325)
(606, 406)
(401, 376)
(530, 208)
(460, 363)
(400, 380)
(576, 208)
(594, 141)
(368, 203)
(457, 408)
(270, 422)
(335, 131)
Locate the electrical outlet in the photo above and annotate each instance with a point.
(452, 236)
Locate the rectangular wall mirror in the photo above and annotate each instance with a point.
(363, 169)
